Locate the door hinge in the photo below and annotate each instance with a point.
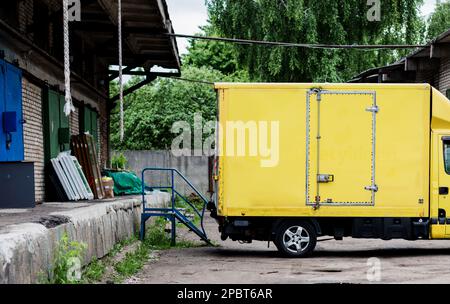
(373, 109)
(373, 188)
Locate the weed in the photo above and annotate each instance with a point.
(157, 238)
(66, 267)
(132, 262)
(94, 271)
(119, 161)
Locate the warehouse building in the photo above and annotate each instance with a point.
(430, 64)
(34, 127)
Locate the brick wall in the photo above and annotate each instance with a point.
(33, 133)
(103, 129)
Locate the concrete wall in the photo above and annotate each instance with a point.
(27, 250)
(194, 168)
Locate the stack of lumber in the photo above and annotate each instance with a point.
(83, 147)
(71, 177)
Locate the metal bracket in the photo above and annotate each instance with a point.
(373, 109)
(372, 188)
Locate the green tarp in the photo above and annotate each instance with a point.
(125, 183)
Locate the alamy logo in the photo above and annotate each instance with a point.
(74, 10)
(238, 138)
(374, 12)
(74, 269)
(374, 271)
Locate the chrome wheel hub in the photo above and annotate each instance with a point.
(296, 239)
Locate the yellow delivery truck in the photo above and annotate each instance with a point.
(298, 161)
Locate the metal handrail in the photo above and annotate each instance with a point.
(174, 192)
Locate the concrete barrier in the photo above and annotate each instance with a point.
(27, 250)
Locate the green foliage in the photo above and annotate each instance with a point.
(195, 200)
(157, 238)
(119, 161)
(439, 21)
(94, 271)
(150, 112)
(133, 261)
(312, 21)
(217, 55)
(62, 265)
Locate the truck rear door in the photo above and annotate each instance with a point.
(341, 150)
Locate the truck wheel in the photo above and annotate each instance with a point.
(295, 238)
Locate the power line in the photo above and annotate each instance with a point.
(302, 45)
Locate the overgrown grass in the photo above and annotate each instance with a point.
(94, 271)
(156, 239)
(132, 263)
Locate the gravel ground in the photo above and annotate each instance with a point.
(347, 261)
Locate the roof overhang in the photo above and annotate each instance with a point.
(426, 58)
(145, 28)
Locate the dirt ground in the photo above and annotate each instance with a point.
(347, 261)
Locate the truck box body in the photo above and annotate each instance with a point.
(356, 136)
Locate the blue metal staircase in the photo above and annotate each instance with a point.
(173, 213)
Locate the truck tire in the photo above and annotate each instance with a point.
(295, 238)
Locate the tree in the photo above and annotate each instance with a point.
(439, 21)
(150, 112)
(217, 55)
(313, 21)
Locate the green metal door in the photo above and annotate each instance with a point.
(91, 123)
(56, 125)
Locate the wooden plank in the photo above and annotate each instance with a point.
(79, 149)
(95, 166)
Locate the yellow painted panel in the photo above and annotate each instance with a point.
(440, 231)
(441, 111)
(402, 150)
(243, 179)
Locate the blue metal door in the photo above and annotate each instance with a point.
(11, 114)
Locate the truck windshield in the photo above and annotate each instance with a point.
(447, 156)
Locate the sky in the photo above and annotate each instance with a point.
(188, 15)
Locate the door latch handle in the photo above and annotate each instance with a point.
(325, 178)
(443, 190)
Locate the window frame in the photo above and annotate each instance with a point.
(445, 139)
